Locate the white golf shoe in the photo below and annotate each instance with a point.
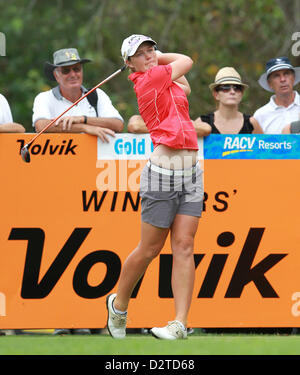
(116, 323)
(172, 331)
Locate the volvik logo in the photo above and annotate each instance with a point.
(48, 148)
(246, 270)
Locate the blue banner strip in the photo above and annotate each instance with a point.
(252, 146)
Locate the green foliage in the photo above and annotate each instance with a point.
(239, 33)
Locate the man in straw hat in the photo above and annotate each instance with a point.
(93, 115)
(283, 108)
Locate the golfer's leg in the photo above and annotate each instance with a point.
(152, 241)
(183, 231)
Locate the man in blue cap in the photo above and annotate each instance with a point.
(283, 108)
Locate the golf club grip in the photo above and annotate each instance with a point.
(77, 101)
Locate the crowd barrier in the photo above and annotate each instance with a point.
(71, 216)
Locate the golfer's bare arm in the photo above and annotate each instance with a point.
(183, 83)
(181, 64)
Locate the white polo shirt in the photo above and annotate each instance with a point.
(5, 112)
(50, 104)
(273, 118)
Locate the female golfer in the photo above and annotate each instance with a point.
(171, 182)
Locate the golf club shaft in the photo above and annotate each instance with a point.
(77, 101)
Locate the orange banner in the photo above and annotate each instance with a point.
(71, 216)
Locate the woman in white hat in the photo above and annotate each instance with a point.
(171, 182)
(227, 90)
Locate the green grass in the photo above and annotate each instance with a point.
(203, 344)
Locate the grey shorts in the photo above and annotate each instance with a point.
(164, 196)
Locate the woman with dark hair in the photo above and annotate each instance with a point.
(227, 91)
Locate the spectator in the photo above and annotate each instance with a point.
(284, 107)
(227, 91)
(6, 121)
(93, 115)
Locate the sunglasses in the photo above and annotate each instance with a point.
(227, 88)
(66, 69)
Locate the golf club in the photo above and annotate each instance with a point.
(25, 151)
